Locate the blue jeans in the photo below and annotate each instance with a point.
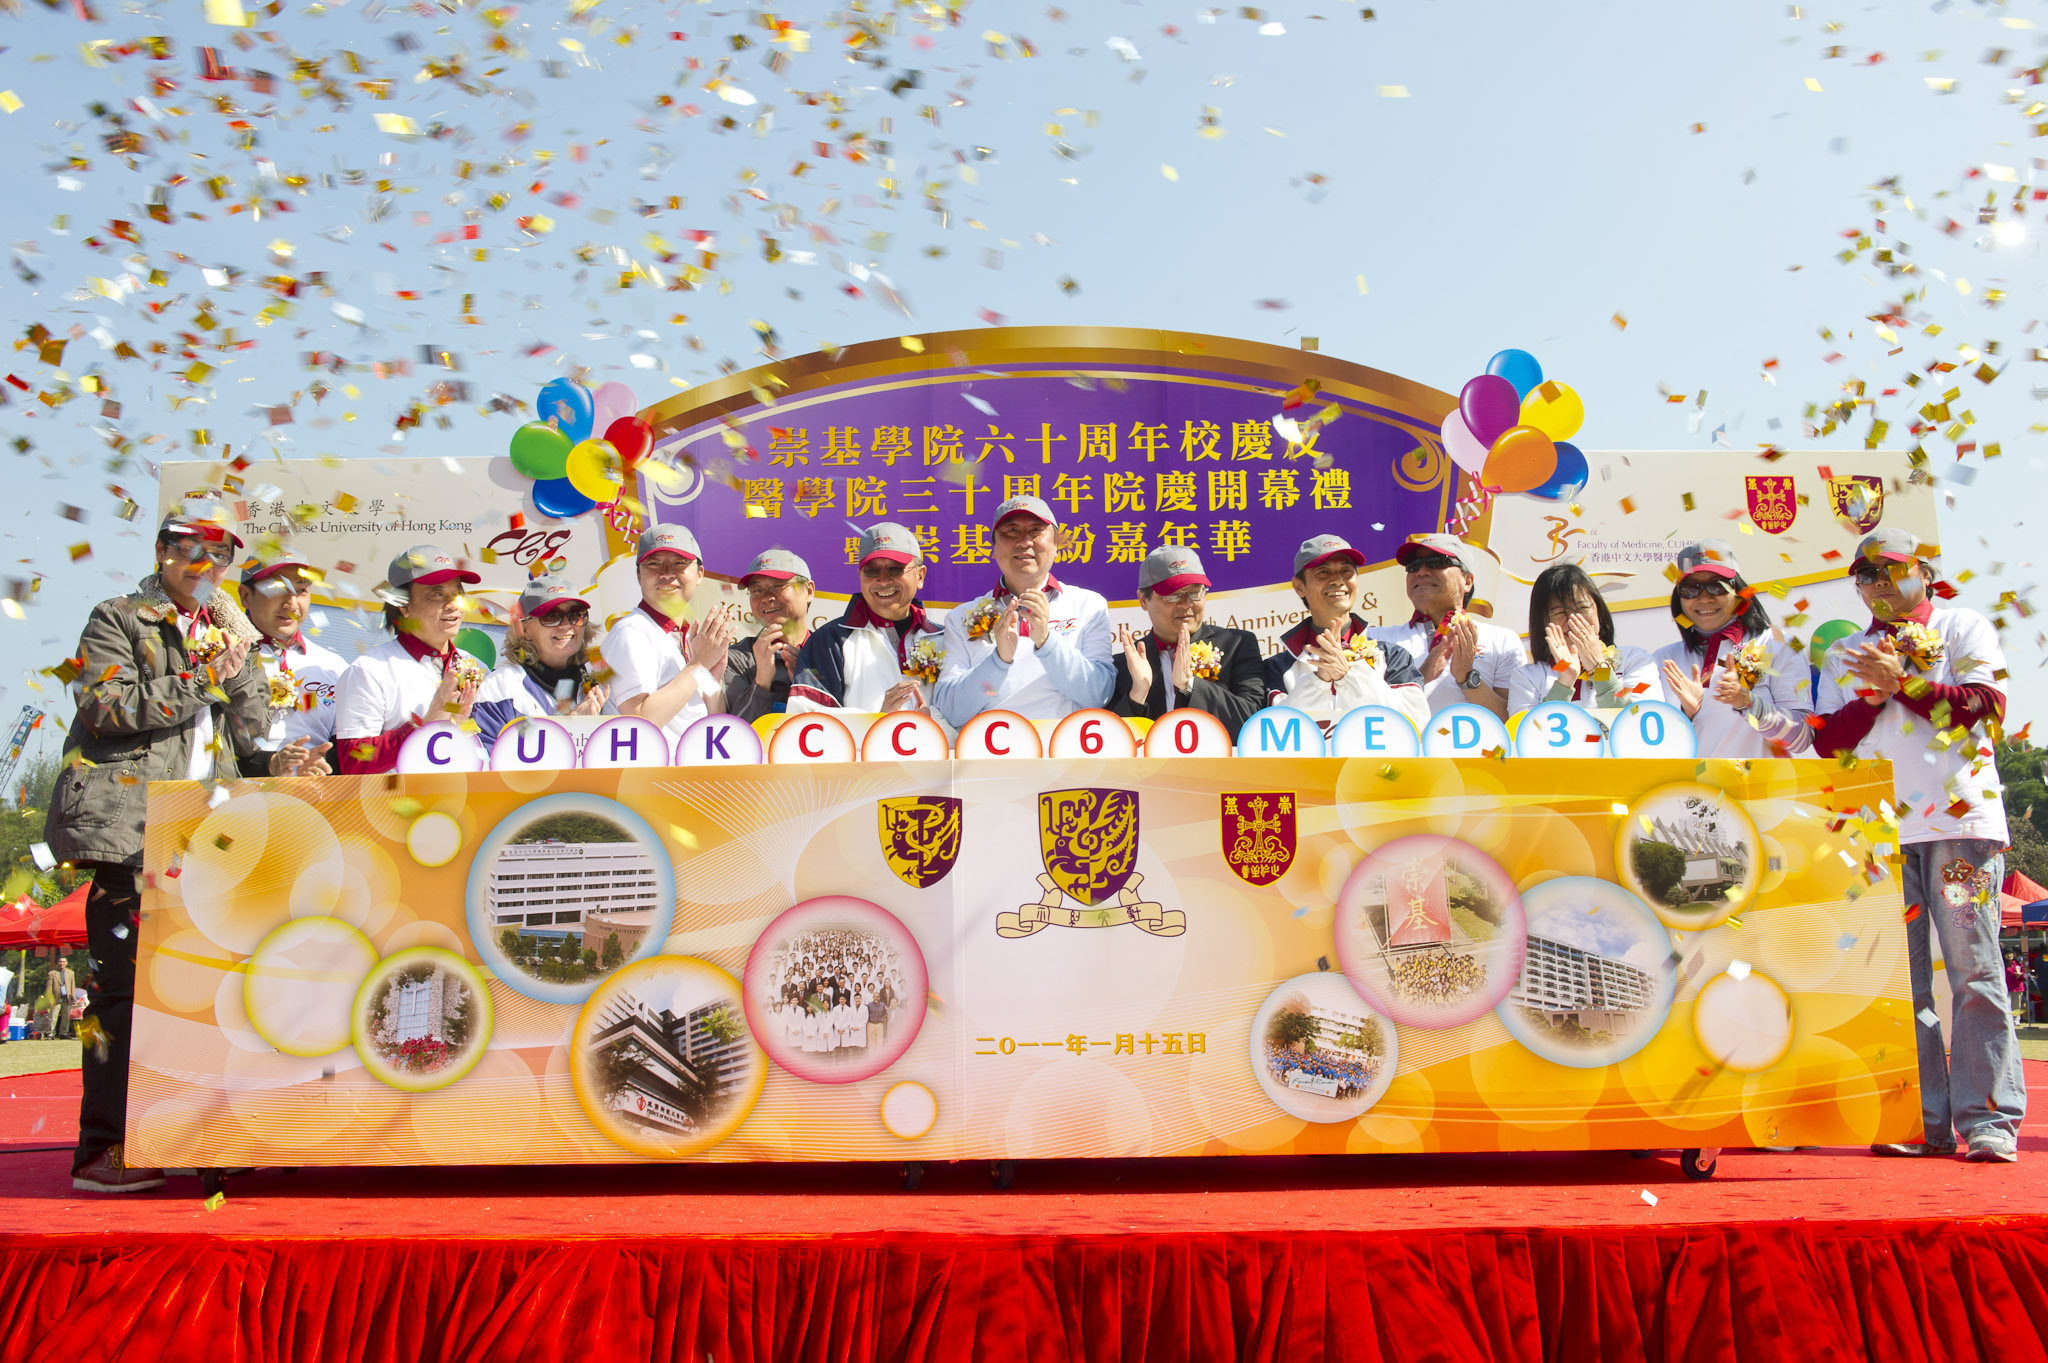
(1975, 1086)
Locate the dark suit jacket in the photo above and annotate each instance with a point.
(1238, 692)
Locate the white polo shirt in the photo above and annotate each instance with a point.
(1500, 654)
(1927, 777)
(1779, 703)
(1072, 672)
(1530, 683)
(310, 676)
(644, 657)
(384, 688)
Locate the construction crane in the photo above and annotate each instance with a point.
(23, 727)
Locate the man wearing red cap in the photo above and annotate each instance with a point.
(1185, 661)
(1920, 689)
(1034, 646)
(759, 671)
(1328, 664)
(668, 666)
(165, 692)
(1464, 659)
(418, 678)
(884, 653)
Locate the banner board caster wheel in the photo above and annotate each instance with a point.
(1699, 1164)
(913, 1174)
(1002, 1173)
(1642, 1154)
(212, 1181)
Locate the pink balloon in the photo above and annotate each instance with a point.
(1467, 451)
(1490, 406)
(611, 401)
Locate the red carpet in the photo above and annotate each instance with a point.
(1409, 1257)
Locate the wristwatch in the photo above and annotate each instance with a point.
(1473, 681)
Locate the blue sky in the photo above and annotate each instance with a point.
(1496, 175)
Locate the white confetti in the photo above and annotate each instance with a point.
(1738, 970)
(1649, 1197)
(1929, 1018)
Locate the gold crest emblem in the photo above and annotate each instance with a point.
(920, 837)
(1858, 500)
(1088, 841)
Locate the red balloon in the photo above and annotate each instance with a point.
(632, 438)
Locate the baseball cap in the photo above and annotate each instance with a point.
(676, 539)
(1034, 507)
(1450, 546)
(890, 541)
(1893, 544)
(779, 565)
(425, 564)
(265, 562)
(543, 594)
(1321, 549)
(1709, 556)
(1169, 568)
(205, 517)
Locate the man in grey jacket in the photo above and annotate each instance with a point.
(165, 693)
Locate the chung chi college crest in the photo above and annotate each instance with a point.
(920, 837)
(1857, 498)
(1773, 501)
(1088, 842)
(1258, 834)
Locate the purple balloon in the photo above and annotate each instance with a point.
(1490, 406)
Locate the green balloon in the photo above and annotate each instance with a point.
(540, 451)
(1826, 635)
(477, 645)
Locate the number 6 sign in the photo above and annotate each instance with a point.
(1092, 733)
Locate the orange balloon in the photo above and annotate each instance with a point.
(1522, 457)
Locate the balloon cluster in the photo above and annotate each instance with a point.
(1510, 429)
(572, 469)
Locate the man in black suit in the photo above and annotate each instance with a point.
(1185, 663)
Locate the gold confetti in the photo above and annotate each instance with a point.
(1393, 92)
(216, 1202)
(226, 13)
(1169, 172)
(398, 125)
(9, 101)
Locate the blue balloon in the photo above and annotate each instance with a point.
(1567, 479)
(1518, 367)
(559, 498)
(568, 405)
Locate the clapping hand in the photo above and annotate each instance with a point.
(1136, 663)
(1327, 656)
(1685, 687)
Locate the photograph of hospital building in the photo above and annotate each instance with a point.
(572, 897)
(669, 1074)
(1579, 996)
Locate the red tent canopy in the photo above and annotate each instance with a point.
(26, 923)
(2023, 889)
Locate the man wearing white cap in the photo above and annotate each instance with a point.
(1328, 663)
(1034, 646)
(304, 676)
(546, 668)
(883, 654)
(420, 677)
(1185, 661)
(666, 667)
(1921, 688)
(165, 692)
(779, 591)
(1463, 658)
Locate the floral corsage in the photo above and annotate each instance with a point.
(924, 660)
(1749, 663)
(1919, 645)
(981, 617)
(1363, 650)
(1447, 624)
(468, 670)
(1608, 663)
(206, 642)
(1207, 661)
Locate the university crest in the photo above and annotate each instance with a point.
(1773, 501)
(1088, 842)
(1258, 834)
(920, 837)
(1857, 499)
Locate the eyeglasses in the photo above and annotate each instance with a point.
(1422, 563)
(1689, 591)
(192, 551)
(883, 570)
(1870, 572)
(563, 615)
(1188, 596)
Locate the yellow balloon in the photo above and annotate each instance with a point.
(593, 470)
(1552, 408)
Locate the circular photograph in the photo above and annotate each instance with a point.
(662, 1059)
(422, 1019)
(1597, 975)
(1429, 930)
(835, 990)
(565, 892)
(1320, 1052)
(1690, 852)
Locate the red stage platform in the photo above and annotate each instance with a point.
(1820, 1255)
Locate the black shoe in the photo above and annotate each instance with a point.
(1913, 1150)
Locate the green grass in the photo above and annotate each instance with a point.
(31, 1057)
(1475, 927)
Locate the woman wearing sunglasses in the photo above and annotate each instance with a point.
(1571, 639)
(1741, 684)
(547, 667)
